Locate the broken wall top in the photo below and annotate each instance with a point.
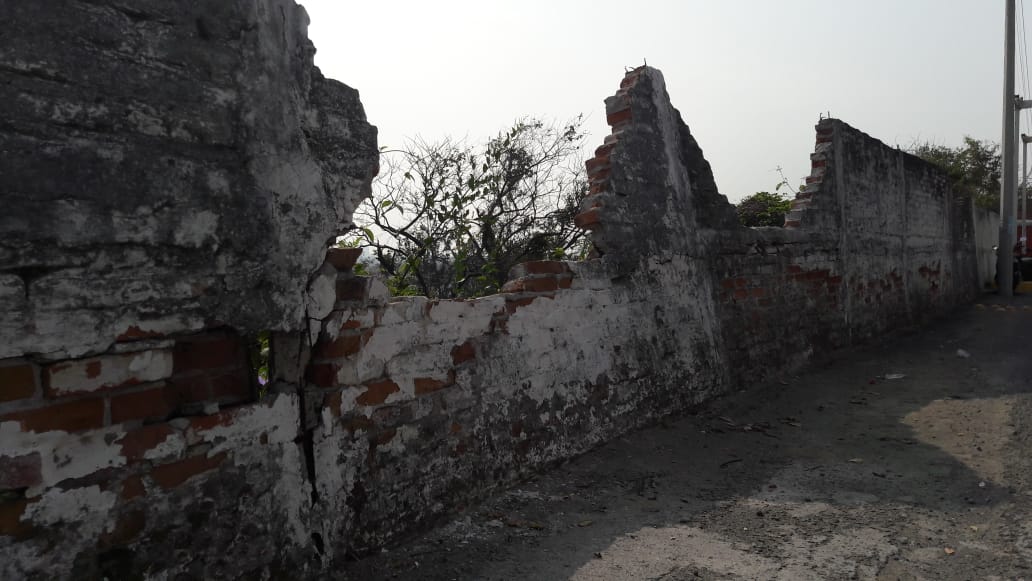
(651, 188)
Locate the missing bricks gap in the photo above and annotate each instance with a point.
(259, 355)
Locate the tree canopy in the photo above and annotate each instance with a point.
(973, 168)
(763, 209)
(449, 220)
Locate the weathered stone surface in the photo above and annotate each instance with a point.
(379, 415)
(657, 176)
(158, 158)
(682, 304)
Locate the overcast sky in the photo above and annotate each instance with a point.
(750, 77)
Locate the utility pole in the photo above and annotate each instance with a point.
(1004, 252)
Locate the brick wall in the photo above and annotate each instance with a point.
(171, 174)
(875, 241)
(157, 451)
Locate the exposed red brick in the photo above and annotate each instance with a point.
(594, 201)
(105, 373)
(596, 163)
(87, 414)
(187, 389)
(134, 333)
(539, 285)
(741, 282)
(138, 442)
(588, 220)
(794, 269)
(93, 369)
(565, 281)
(343, 259)
(631, 78)
(203, 423)
(605, 150)
(545, 267)
(351, 324)
(758, 292)
(818, 163)
(511, 305)
(792, 223)
(425, 385)
(149, 404)
(232, 387)
(132, 487)
(343, 346)
(209, 352)
(463, 353)
(513, 286)
(10, 519)
(618, 117)
(727, 283)
(377, 392)
(17, 382)
(169, 476)
(741, 293)
(455, 428)
(322, 374)
(20, 471)
(599, 174)
(385, 437)
(352, 289)
(359, 423)
(332, 401)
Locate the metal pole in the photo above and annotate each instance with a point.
(1004, 253)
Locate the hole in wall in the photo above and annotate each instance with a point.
(318, 541)
(259, 355)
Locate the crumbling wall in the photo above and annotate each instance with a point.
(154, 452)
(875, 241)
(171, 174)
(427, 404)
(158, 157)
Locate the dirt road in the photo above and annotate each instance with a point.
(844, 472)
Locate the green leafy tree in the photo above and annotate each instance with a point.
(973, 168)
(449, 220)
(764, 209)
